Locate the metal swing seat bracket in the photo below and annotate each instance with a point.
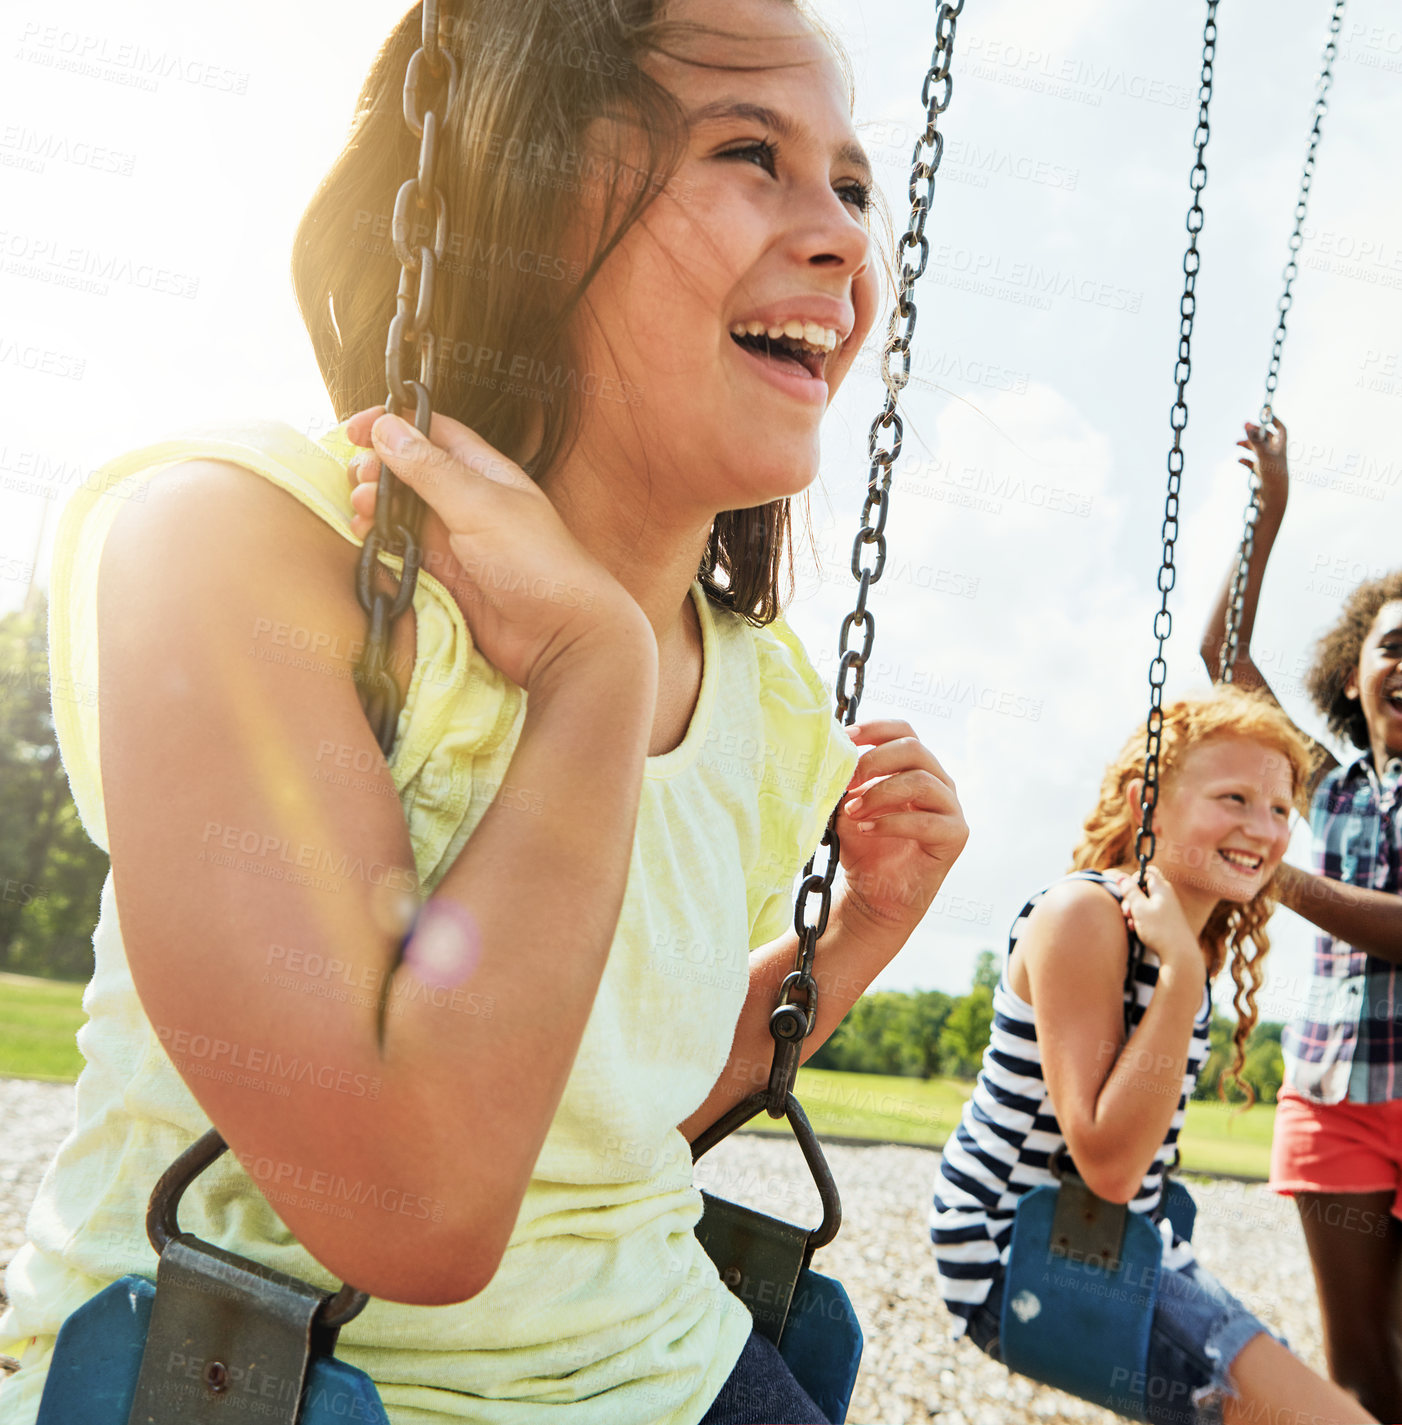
(1086, 1228)
(222, 1334)
(759, 1257)
(764, 1260)
(224, 1330)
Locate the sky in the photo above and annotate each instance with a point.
(155, 158)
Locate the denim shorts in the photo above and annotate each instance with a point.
(761, 1390)
(1198, 1330)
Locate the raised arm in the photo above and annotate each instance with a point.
(232, 850)
(1267, 457)
(1267, 449)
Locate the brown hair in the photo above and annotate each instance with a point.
(1336, 655)
(1110, 833)
(535, 74)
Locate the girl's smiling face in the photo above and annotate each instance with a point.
(1377, 683)
(1223, 819)
(761, 229)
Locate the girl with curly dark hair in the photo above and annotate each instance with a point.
(1338, 1130)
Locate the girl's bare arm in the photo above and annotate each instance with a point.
(1114, 1100)
(1268, 456)
(1267, 449)
(246, 861)
(1368, 920)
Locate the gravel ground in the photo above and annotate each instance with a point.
(911, 1372)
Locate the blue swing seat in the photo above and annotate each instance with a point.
(808, 1316)
(1073, 1321)
(822, 1343)
(97, 1360)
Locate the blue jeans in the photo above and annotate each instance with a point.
(761, 1390)
(1199, 1328)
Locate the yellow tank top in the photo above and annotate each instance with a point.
(605, 1310)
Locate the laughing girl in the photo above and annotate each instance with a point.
(1059, 1072)
(632, 375)
(1337, 1148)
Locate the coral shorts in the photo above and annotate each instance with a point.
(1337, 1147)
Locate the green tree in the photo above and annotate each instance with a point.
(1263, 1069)
(966, 1031)
(888, 1033)
(50, 872)
(929, 1011)
(986, 971)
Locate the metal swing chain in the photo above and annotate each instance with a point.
(1237, 597)
(398, 510)
(1178, 419)
(797, 1010)
(1321, 107)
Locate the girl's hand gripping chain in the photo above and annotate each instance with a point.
(1158, 920)
(902, 831)
(526, 587)
(1267, 447)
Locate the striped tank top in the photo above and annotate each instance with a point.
(1009, 1130)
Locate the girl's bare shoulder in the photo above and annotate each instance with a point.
(1075, 918)
(216, 510)
(214, 548)
(1076, 897)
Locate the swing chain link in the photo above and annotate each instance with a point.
(1178, 419)
(1321, 107)
(398, 510)
(796, 1012)
(1237, 598)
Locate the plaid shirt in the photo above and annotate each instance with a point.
(1348, 1042)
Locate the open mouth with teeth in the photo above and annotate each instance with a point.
(1242, 860)
(798, 346)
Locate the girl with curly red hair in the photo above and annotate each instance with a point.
(1060, 1078)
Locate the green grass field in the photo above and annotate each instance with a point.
(38, 1019)
(925, 1112)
